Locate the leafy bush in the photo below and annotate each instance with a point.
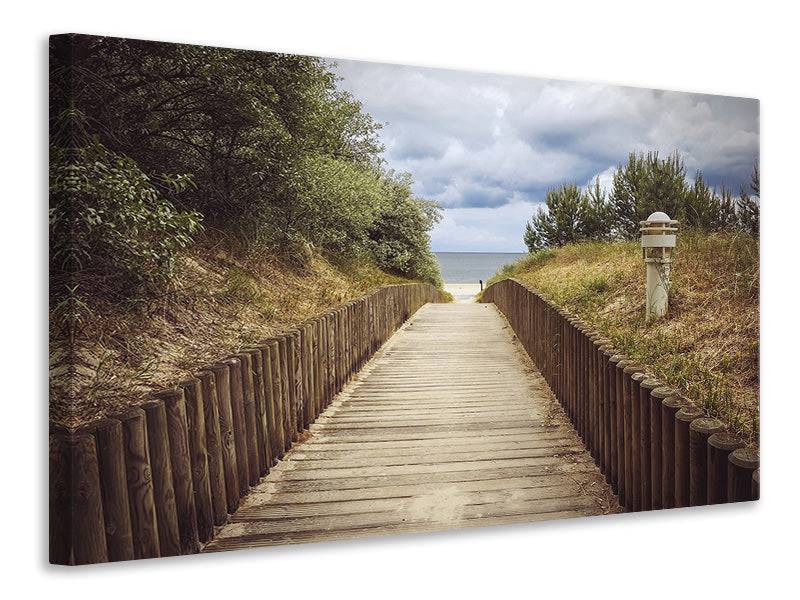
(282, 160)
(109, 224)
(398, 238)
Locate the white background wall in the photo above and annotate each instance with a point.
(732, 48)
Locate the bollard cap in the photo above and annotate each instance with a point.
(658, 231)
(675, 402)
(633, 367)
(659, 217)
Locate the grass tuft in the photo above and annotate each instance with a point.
(707, 346)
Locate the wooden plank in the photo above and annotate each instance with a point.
(278, 430)
(296, 537)
(76, 509)
(274, 495)
(222, 384)
(239, 425)
(262, 427)
(449, 425)
(180, 457)
(250, 413)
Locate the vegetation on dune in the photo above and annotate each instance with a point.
(220, 304)
(170, 160)
(151, 140)
(707, 346)
(645, 184)
(583, 258)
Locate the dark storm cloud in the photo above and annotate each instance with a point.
(486, 147)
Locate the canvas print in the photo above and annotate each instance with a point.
(297, 299)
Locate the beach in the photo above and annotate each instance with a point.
(463, 292)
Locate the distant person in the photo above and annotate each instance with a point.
(481, 282)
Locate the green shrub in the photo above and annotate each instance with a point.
(283, 161)
(109, 225)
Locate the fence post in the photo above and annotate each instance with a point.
(683, 418)
(720, 446)
(669, 408)
(198, 454)
(116, 507)
(742, 463)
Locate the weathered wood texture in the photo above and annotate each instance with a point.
(449, 425)
(655, 449)
(155, 480)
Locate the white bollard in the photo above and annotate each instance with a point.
(658, 240)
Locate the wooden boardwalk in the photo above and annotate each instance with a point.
(449, 425)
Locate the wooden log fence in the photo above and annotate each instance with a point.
(655, 449)
(156, 479)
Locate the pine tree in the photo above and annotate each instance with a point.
(698, 211)
(561, 222)
(726, 210)
(748, 208)
(644, 185)
(595, 223)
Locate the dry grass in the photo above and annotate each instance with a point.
(708, 345)
(218, 305)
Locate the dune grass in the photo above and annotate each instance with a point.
(708, 344)
(217, 304)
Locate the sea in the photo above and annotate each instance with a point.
(471, 267)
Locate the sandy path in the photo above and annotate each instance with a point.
(463, 292)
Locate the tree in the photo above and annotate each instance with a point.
(644, 185)
(280, 159)
(700, 206)
(596, 222)
(398, 238)
(748, 208)
(562, 221)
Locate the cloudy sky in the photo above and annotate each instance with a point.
(486, 147)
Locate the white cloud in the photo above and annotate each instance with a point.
(606, 178)
(497, 229)
(473, 139)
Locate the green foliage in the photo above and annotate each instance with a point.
(598, 284)
(645, 184)
(561, 223)
(398, 237)
(596, 220)
(748, 207)
(110, 223)
(706, 210)
(279, 158)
